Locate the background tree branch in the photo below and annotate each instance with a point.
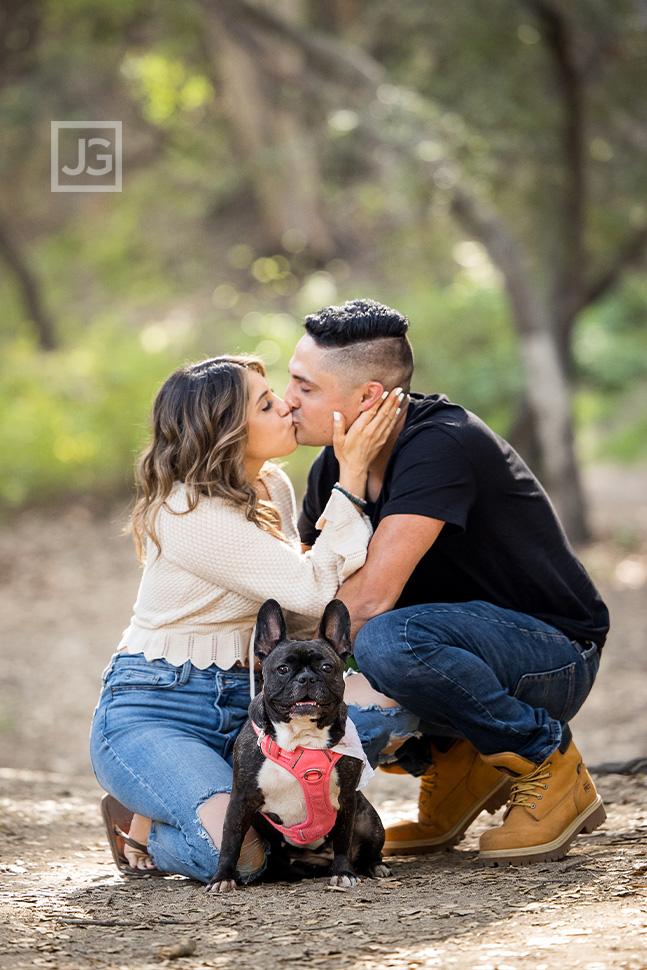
(570, 268)
(628, 254)
(29, 288)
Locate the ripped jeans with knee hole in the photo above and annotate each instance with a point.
(504, 680)
(379, 726)
(162, 743)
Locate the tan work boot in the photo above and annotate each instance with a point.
(550, 804)
(453, 791)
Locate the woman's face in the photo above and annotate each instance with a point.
(270, 432)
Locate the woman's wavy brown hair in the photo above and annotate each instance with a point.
(199, 436)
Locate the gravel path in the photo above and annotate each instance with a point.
(68, 581)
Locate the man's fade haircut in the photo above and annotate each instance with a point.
(366, 340)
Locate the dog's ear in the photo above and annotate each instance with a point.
(270, 628)
(335, 628)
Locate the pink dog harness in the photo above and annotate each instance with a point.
(311, 767)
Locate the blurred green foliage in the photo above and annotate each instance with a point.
(72, 421)
(611, 353)
(177, 266)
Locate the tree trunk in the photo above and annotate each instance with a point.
(549, 399)
(547, 383)
(271, 138)
(29, 288)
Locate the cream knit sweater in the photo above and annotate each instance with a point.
(199, 597)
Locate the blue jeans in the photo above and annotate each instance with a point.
(377, 726)
(501, 679)
(161, 742)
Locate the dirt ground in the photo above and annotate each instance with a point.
(67, 583)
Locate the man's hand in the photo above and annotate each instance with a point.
(399, 543)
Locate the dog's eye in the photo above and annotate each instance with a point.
(283, 669)
(326, 666)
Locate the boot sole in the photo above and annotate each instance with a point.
(586, 822)
(490, 802)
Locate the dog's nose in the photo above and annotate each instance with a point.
(306, 677)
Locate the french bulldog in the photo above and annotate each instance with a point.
(299, 794)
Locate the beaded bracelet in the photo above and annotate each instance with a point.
(359, 502)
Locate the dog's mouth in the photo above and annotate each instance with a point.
(304, 708)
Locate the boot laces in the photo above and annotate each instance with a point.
(428, 783)
(527, 789)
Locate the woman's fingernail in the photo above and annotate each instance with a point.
(401, 397)
(385, 395)
(398, 410)
(336, 415)
(398, 391)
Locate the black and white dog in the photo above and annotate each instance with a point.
(290, 783)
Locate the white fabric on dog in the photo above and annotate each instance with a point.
(351, 745)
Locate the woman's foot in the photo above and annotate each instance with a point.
(139, 831)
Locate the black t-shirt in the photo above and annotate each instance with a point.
(502, 541)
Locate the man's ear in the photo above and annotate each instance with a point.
(372, 391)
(335, 628)
(270, 628)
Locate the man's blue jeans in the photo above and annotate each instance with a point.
(501, 679)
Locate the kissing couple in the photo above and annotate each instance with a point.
(477, 632)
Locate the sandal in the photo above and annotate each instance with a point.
(117, 818)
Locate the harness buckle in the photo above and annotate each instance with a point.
(313, 774)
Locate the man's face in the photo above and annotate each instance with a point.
(314, 392)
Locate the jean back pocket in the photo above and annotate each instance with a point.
(551, 689)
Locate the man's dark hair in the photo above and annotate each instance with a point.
(364, 340)
(355, 321)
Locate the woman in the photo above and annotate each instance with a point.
(216, 521)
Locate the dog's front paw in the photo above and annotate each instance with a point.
(218, 885)
(344, 880)
(379, 870)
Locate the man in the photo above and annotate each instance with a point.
(471, 611)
